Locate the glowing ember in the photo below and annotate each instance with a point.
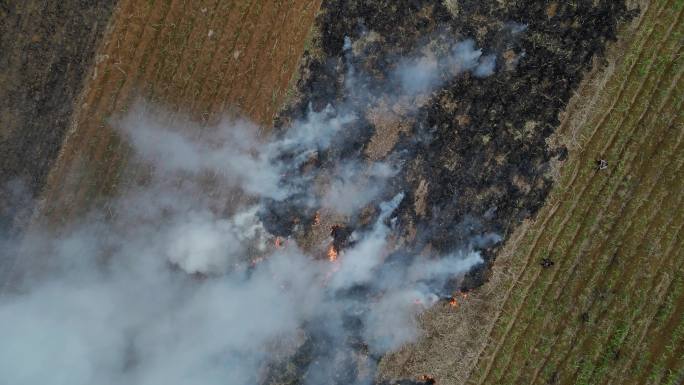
(256, 261)
(427, 379)
(453, 301)
(332, 253)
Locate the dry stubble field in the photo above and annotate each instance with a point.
(200, 58)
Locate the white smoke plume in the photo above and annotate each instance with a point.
(428, 70)
(361, 260)
(354, 186)
(184, 286)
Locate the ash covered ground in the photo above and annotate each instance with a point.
(475, 152)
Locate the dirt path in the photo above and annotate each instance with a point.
(202, 58)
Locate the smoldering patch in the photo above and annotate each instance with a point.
(206, 264)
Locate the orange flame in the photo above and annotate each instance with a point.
(317, 219)
(453, 301)
(332, 253)
(256, 261)
(427, 379)
(278, 243)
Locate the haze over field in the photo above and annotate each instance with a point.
(175, 282)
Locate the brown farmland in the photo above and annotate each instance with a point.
(201, 58)
(46, 50)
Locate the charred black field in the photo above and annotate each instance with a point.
(476, 152)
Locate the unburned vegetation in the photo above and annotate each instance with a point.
(46, 50)
(202, 58)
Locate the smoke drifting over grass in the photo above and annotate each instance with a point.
(184, 284)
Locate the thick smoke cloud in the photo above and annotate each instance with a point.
(354, 186)
(184, 284)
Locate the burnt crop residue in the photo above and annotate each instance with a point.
(473, 151)
(476, 153)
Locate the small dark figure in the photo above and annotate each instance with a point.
(601, 164)
(546, 263)
(616, 355)
(553, 379)
(584, 317)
